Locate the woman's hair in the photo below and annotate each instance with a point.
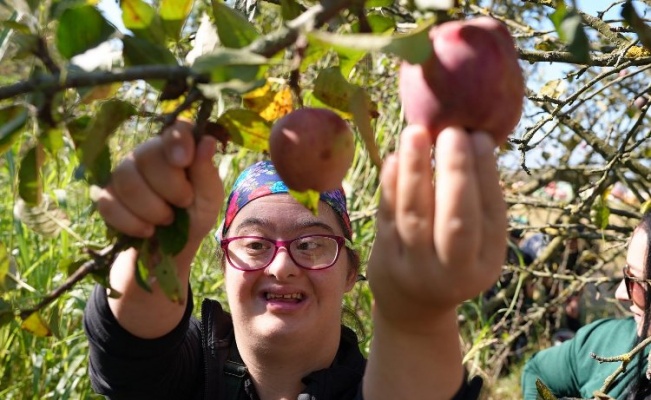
(642, 387)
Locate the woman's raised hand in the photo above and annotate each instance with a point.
(437, 245)
(166, 170)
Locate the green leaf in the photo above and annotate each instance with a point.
(600, 212)
(575, 37)
(111, 114)
(247, 128)
(359, 107)
(172, 238)
(142, 19)
(558, 15)
(137, 51)
(225, 64)
(379, 23)
(290, 9)
(378, 3)
(168, 279)
(331, 88)
(52, 140)
(5, 262)
(634, 21)
(29, 186)
(141, 52)
(233, 28)
(414, 47)
(315, 52)
(142, 266)
(80, 29)
(6, 313)
(309, 199)
(173, 14)
(569, 26)
(12, 120)
(348, 59)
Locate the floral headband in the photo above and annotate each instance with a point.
(261, 179)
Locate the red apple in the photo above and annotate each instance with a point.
(312, 148)
(472, 80)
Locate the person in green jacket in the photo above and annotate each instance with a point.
(569, 370)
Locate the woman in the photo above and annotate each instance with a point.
(568, 370)
(287, 342)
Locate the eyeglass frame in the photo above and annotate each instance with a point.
(341, 242)
(630, 280)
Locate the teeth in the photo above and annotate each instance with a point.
(293, 296)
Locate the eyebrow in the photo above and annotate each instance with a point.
(300, 224)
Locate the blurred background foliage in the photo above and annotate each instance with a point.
(83, 82)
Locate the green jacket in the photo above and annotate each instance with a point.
(568, 370)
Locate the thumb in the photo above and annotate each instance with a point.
(208, 186)
(178, 143)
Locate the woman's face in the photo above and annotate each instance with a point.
(284, 300)
(635, 261)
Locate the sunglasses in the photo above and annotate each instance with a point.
(635, 287)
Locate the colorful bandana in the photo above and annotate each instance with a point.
(261, 179)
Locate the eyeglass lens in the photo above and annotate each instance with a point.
(634, 288)
(311, 252)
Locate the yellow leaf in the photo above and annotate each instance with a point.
(36, 325)
(308, 198)
(553, 89)
(167, 106)
(269, 104)
(645, 207)
(637, 52)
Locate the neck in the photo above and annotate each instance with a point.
(277, 366)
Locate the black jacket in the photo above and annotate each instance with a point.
(187, 363)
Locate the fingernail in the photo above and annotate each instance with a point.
(482, 143)
(416, 136)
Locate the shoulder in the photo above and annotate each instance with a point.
(620, 328)
(605, 336)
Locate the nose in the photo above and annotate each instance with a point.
(282, 266)
(620, 293)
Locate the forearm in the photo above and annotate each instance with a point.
(144, 314)
(424, 364)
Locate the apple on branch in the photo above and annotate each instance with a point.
(312, 148)
(472, 80)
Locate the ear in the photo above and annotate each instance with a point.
(350, 280)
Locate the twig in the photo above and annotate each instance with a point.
(624, 358)
(99, 261)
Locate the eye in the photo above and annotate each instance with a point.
(309, 243)
(254, 245)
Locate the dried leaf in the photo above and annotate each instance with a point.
(45, 219)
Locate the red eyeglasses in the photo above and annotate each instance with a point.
(635, 287)
(253, 253)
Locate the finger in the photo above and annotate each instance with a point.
(167, 180)
(131, 188)
(116, 215)
(178, 143)
(415, 193)
(493, 205)
(388, 182)
(456, 229)
(208, 186)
